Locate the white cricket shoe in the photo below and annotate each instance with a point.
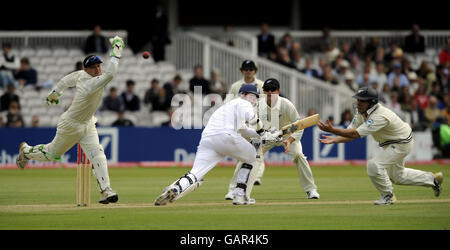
(251, 201)
(168, 195)
(229, 196)
(240, 200)
(21, 159)
(438, 179)
(388, 199)
(108, 196)
(312, 194)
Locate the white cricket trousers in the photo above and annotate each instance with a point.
(389, 167)
(68, 133)
(296, 153)
(213, 149)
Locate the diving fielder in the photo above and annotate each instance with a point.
(77, 124)
(394, 137)
(222, 136)
(248, 70)
(275, 112)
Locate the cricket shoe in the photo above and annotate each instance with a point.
(229, 196)
(258, 182)
(240, 200)
(388, 199)
(168, 195)
(108, 196)
(438, 179)
(312, 194)
(21, 159)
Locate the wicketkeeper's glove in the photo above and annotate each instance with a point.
(117, 46)
(53, 98)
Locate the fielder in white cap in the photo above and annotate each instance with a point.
(223, 136)
(77, 124)
(396, 141)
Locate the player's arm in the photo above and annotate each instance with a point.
(247, 115)
(350, 133)
(68, 81)
(100, 82)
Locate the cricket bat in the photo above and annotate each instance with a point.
(299, 125)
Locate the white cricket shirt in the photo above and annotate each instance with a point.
(89, 91)
(383, 124)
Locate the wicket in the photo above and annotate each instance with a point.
(83, 178)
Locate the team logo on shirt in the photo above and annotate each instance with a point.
(369, 122)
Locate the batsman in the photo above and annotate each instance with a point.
(77, 124)
(276, 112)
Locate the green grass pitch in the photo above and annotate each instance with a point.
(45, 199)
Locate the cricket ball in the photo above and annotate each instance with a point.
(146, 54)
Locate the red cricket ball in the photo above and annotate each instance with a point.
(146, 54)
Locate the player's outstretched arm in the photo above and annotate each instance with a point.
(348, 132)
(333, 139)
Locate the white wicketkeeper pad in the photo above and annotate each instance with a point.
(186, 184)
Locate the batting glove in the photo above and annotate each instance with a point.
(117, 46)
(53, 98)
(271, 136)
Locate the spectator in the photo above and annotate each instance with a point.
(357, 48)
(331, 53)
(8, 64)
(284, 58)
(345, 51)
(380, 76)
(35, 121)
(157, 96)
(218, 85)
(297, 58)
(286, 43)
(427, 74)
(112, 102)
(438, 93)
(95, 43)
(169, 122)
(325, 39)
(8, 97)
(131, 100)
(26, 75)
(311, 112)
(14, 117)
(355, 66)
(346, 118)
(444, 55)
(331, 119)
(415, 43)
(413, 82)
(432, 112)
(445, 113)
(421, 97)
(366, 77)
(418, 121)
(350, 81)
(389, 56)
(199, 80)
(328, 76)
(122, 121)
(385, 95)
(266, 41)
(342, 69)
(372, 47)
(379, 56)
(171, 87)
(404, 97)
(309, 70)
(443, 78)
(322, 64)
(160, 37)
(397, 74)
(393, 104)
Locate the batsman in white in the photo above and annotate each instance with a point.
(222, 136)
(275, 112)
(77, 124)
(396, 141)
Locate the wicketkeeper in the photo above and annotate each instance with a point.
(77, 124)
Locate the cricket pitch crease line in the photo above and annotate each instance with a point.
(48, 207)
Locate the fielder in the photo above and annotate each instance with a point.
(248, 70)
(394, 137)
(223, 136)
(77, 124)
(276, 112)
